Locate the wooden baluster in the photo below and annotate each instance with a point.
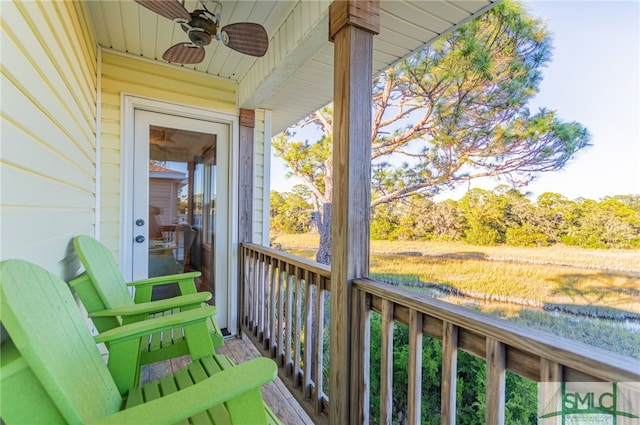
(281, 324)
(550, 371)
(309, 334)
(258, 294)
(319, 345)
(386, 363)
(360, 356)
(266, 305)
(551, 375)
(273, 309)
(291, 282)
(297, 332)
(449, 372)
(250, 276)
(496, 366)
(415, 367)
(264, 298)
(245, 286)
(247, 277)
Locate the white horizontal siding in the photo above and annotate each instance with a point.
(280, 62)
(48, 131)
(261, 152)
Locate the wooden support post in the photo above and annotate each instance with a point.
(245, 195)
(245, 176)
(352, 25)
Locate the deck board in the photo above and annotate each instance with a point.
(275, 394)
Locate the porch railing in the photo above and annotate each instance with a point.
(285, 308)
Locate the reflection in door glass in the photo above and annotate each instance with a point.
(179, 237)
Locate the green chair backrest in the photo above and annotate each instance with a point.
(45, 324)
(102, 268)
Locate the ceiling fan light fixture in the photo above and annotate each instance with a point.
(199, 37)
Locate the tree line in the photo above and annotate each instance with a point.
(485, 217)
(454, 111)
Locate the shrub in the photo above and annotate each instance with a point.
(525, 235)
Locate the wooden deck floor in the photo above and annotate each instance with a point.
(275, 394)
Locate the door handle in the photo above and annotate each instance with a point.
(139, 238)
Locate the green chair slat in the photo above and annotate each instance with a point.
(84, 389)
(101, 267)
(156, 341)
(102, 287)
(51, 361)
(168, 386)
(134, 397)
(199, 372)
(151, 391)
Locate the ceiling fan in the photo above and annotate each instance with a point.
(202, 26)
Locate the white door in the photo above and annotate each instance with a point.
(180, 201)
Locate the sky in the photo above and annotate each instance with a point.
(593, 78)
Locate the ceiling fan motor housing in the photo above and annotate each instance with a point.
(200, 29)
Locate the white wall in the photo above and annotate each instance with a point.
(47, 167)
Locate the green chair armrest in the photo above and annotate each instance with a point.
(147, 327)
(191, 300)
(163, 280)
(217, 389)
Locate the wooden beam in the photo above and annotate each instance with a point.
(360, 14)
(247, 118)
(352, 93)
(245, 176)
(245, 195)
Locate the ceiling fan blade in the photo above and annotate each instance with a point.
(246, 37)
(170, 9)
(185, 53)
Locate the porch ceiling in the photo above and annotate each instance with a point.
(296, 76)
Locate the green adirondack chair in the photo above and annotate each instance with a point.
(105, 296)
(52, 372)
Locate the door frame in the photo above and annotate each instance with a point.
(129, 104)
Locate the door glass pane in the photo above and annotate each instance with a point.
(177, 182)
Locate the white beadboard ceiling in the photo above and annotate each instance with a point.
(295, 77)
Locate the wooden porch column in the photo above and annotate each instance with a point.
(245, 197)
(245, 175)
(352, 25)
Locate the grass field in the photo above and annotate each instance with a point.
(558, 274)
(589, 282)
(606, 259)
